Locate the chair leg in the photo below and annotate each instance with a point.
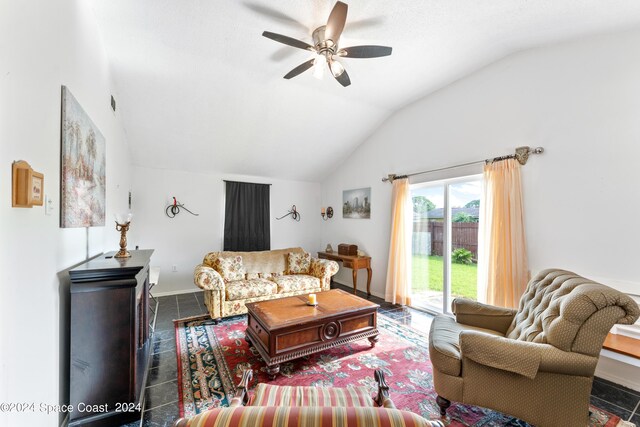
(383, 389)
(443, 404)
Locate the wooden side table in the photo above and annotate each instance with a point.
(353, 262)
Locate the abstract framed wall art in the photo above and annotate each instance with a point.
(82, 165)
(356, 203)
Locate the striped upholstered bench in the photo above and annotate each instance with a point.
(285, 406)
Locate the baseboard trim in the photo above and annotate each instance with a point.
(619, 369)
(178, 292)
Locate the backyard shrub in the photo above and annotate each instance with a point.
(464, 217)
(461, 256)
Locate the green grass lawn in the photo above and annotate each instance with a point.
(427, 274)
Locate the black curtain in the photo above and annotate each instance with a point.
(246, 217)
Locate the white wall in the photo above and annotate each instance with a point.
(183, 241)
(43, 45)
(579, 100)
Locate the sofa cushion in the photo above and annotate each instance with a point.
(230, 268)
(243, 289)
(444, 343)
(299, 263)
(273, 395)
(256, 262)
(295, 283)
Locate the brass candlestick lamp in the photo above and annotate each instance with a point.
(122, 225)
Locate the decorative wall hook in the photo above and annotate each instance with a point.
(293, 212)
(174, 209)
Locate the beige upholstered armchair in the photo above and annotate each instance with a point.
(535, 363)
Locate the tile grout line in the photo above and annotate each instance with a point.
(617, 386)
(612, 404)
(634, 411)
(164, 351)
(164, 382)
(199, 306)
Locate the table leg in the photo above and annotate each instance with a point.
(354, 273)
(369, 274)
(272, 371)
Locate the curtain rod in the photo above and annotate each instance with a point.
(522, 155)
(243, 182)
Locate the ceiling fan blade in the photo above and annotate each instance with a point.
(367, 51)
(336, 21)
(300, 69)
(288, 41)
(343, 79)
(275, 15)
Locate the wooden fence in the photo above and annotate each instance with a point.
(464, 235)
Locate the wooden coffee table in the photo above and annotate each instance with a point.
(287, 328)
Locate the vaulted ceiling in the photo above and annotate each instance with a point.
(200, 89)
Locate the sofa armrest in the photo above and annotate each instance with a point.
(306, 416)
(323, 269)
(480, 315)
(207, 278)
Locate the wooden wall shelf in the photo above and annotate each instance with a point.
(27, 186)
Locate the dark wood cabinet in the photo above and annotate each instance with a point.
(109, 339)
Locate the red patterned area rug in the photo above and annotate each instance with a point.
(211, 359)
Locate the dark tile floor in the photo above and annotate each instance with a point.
(161, 407)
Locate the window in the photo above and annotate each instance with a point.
(446, 217)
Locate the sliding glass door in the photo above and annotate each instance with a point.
(445, 238)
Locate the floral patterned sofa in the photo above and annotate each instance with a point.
(232, 279)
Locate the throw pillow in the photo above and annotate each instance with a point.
(230, 268)
(299, 262)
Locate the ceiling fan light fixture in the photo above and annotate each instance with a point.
(318, 66)
(336, 68)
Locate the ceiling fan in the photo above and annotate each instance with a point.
(325, 46)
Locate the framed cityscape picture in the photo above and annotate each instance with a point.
(356, 203)
(82, 165)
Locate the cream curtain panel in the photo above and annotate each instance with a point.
(505, 266)
(398, 289)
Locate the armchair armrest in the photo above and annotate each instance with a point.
(480, 315)
(207, 278)
(520, 357)
(523, 357)
(241, 397)
(323, 269)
